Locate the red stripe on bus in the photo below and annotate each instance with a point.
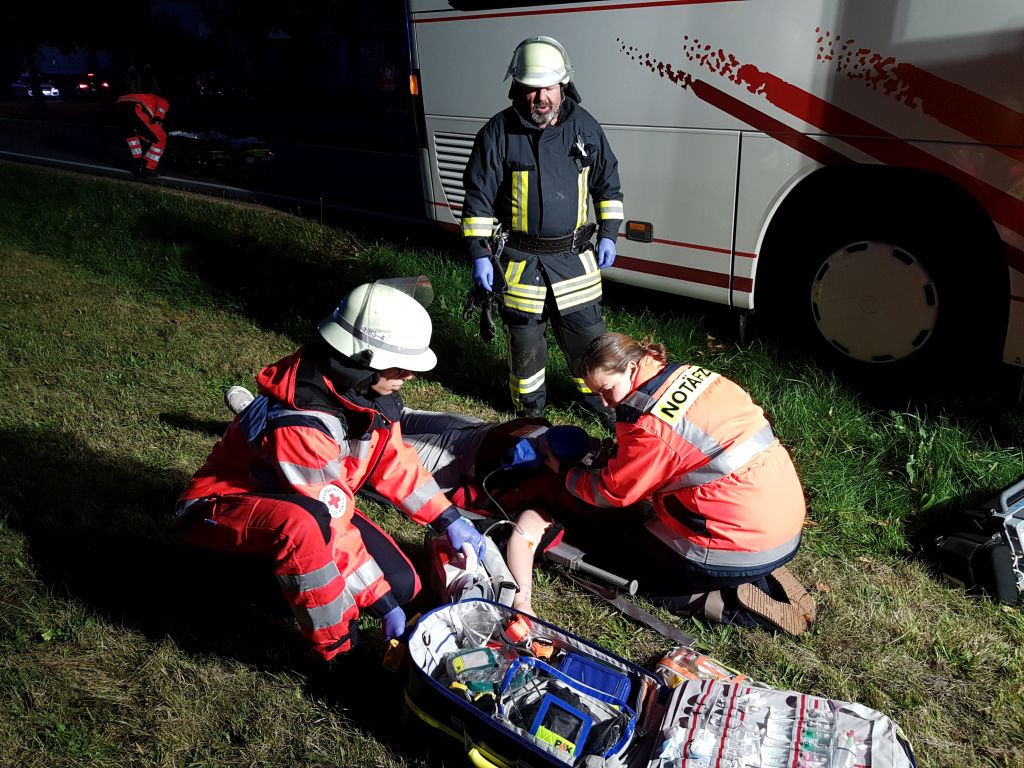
(951, 104)
(868, 138)
(584, 9)
(1014, 257)
(688, 274)
(699, 247)
(778, 130)
(859, 133)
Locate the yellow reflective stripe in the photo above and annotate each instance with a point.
(523, 305)
(514, 272)
(526, 386)
(520, 200)
(477, 226)
(527, 291)
(563, 287)
(581, 385)
(588, 261)
(580, 297)
(610, 209)
(583, 187)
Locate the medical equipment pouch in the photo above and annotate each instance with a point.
(580, 705)
(713, 723)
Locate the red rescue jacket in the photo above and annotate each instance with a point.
(154, 106)
(306, 437)
(724, 489)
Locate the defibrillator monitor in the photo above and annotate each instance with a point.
(561, 725)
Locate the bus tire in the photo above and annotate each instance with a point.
(891, 288)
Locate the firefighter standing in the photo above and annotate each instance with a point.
(281, 481)
(533, 168)
(728, 505)
(144, 115)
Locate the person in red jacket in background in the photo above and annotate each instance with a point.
(144, 115)
(282, 480)
(727, 504)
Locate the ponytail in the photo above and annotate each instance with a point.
(615, 351)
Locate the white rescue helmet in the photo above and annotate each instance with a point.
(380, 326)
(538, 62)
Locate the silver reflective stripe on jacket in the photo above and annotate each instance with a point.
(323, 616)
(298, 475)
(304, 582)
(721, 557)
(598, 498)
(331, 423)
(366, 574)
(414, 502)
(723, 462)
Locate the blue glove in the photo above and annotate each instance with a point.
(394, 623)
(483, 273)
(524, 454)
(462, 532)
(605, 252)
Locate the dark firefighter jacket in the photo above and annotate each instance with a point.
(538, 182)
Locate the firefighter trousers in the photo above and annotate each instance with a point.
(528, 351)
(325, 581)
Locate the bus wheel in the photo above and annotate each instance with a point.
(892, 293)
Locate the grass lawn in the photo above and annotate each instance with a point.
(124, 312)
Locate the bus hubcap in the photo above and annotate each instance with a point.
(874, 302)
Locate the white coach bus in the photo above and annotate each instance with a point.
(854, 167)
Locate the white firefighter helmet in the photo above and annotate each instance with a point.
(380, 326)
(538, 62)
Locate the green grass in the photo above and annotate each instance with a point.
(124, 311)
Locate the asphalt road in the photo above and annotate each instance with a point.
(326, 182)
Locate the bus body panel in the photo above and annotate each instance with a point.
(718, 109)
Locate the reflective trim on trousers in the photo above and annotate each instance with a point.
(527, 385)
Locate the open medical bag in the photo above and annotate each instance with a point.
(549, 698)
(553, 699)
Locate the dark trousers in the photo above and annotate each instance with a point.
(528, 349)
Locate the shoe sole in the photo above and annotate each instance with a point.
(785, 616)
(795, 592)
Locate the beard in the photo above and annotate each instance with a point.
(543, 119)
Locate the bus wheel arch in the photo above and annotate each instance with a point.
(944, 283)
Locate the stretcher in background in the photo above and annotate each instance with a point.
(210, 153)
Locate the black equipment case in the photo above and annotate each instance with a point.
(544, 697)
(986, 552)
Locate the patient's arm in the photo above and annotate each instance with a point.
(521, 552)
